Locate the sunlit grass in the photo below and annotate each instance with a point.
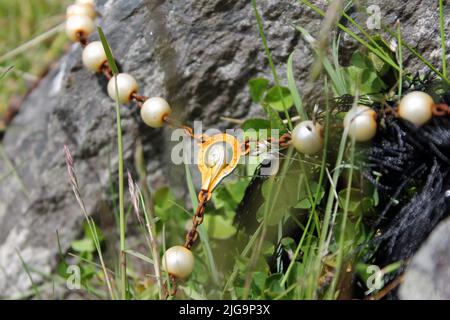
(21, 21)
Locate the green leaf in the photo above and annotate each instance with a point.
(361, 61)
(259, 280)
(267, 249)
(109, 55)
(164, 198)
(288, 243)
(273, 286)
(166, 206)
(219, 228)
(228, 195)
(358, 202)
(283, 201)
(293, 89)
(191, 293)
(279, 98)
(274, 118)
(305, 203)
(257, 88)
(237, 190)
(83, 245)
(88, 234)
(255, 124)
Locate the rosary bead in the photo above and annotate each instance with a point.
(307, 137)
(154, 110)
(361, 123)
(81, 10)
(126, 86)
(416, 107)
(79, 24)
(178, 261)
(94, 56)
(89, 2)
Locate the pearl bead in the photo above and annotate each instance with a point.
(178, 261)
(154, 110)
(416, 107)
(81, 10)
(89, 2)
(126, 86)
(94, 56)
(79, 24)
(361, 123)
(307, 137)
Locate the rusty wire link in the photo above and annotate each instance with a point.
(139, 99)
(106, 70)
(197, 219)
(441, 109)
(284, 140)
(188, 130)
(82, 39)
(283, 143)
(173, 287)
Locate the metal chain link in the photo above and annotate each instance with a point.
(197, 219)
(441, 109)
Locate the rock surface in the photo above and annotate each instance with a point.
(200, 55)
(428, 275)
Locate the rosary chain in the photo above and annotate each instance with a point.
(441, 109)
(107, 72)
(197, 219)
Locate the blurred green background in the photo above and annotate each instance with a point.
(22, 21)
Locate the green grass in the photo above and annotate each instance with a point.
(325, 244)
(21, 22)
(269, 58)
(442, 28)
(122, 223)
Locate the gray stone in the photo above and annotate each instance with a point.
(199, 54)
(428, 275)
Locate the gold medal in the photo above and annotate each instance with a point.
(218, 157)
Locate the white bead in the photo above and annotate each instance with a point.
(79, 24)
(416, 107)
(178, 261)
(361, 123)
(94, 56)
(126, 86)
(307, 137)
(154, 110)
(89, 2)
(81, 10)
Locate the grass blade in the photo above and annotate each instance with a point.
(33, 42)
(400, 60)
(139, 256)
(293, 88)
(122, 226)
(108, 52)
(271, 64)
(27, 270)
(376, 51)
(91, 224)
(419, 56)
(442, 27)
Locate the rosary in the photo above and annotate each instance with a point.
(219, 154)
